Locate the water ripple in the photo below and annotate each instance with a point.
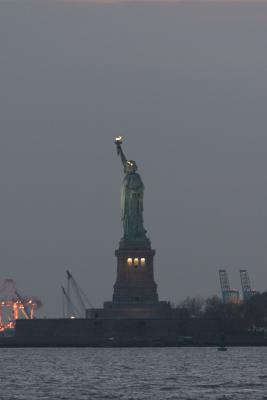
(133, 374)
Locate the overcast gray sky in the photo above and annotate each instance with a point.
(186, 84)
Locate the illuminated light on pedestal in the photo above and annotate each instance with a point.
(136, 262)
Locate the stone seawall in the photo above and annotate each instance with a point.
(125, 332)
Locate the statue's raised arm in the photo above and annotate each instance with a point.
(118, 142)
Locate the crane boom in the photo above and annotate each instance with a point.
(246, 286)
(71, 306)
(225, 284)
(228, 295)
(24, 310)
(83, 300)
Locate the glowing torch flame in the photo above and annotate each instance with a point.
(118, 140)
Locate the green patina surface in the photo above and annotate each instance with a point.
(132, 195)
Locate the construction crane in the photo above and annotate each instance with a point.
(228, 295)
(81, 297)
(13, 305)
(24, 309)
(73, 312)
(224, 280)
(246, 285)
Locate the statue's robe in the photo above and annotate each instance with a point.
(132, 205)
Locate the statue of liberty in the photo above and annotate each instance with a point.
(131, 199)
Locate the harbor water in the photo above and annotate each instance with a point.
(136, 373)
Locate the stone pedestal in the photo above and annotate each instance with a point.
(135, 291)
(135, 276)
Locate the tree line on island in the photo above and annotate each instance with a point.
(247, 314)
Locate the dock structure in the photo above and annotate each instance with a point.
(13, 306)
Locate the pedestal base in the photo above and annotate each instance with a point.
(111, 310)
(135, 277)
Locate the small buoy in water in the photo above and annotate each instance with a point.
(222, 348)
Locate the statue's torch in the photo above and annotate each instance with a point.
(118, 142)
